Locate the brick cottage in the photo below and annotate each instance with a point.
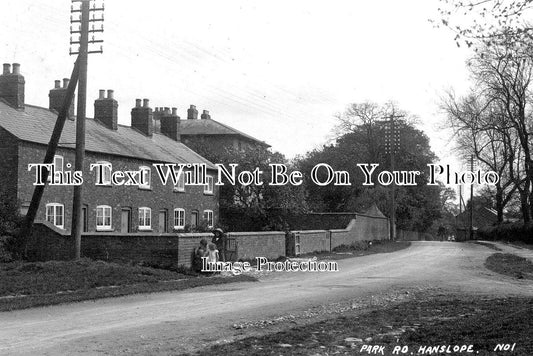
(152, 207)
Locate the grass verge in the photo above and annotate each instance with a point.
(444, 320)
(521, 244)
(26, 285)
(510, 265)
(489, 245)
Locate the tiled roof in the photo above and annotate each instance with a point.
(35, 124)
(212, 127)
(482, 217)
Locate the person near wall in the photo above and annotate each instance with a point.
(212, 253)
(219, 239)
(198, 253)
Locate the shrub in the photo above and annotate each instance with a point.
(517, 231)
(5, 249)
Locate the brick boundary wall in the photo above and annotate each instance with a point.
(363, 228)
(313, 240)
(175, 249)
(51, 243)
(269, 244)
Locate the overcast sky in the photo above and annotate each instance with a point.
(277, 70)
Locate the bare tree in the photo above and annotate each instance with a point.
(506, 74)
(480, 131)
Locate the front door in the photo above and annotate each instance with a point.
(125, 225)
(163, 221)
(194, 219)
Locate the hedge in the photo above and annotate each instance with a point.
(517, 231)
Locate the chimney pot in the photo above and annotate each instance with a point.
(16, 68)
(12, 86)
(192, 113)
(170, 124)
(101, 94)
(7, 68)
(142, 119)
(106, 111)
(110, 94)
(138, 103)
(205, 115)
(65, 82)
(57, 98)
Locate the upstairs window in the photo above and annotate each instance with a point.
(55, 214)
(58, 168)
(103, 172)
(180, 187)
(146, 174)
(208, 188)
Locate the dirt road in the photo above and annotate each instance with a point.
(188, 320)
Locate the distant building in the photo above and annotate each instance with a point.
(216, 135)
(482, 217)
(25, 131)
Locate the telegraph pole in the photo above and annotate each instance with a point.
(392, 146)
(83, 31)
(472, 200)
(49, 156)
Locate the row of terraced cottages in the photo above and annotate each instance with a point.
(25, 131)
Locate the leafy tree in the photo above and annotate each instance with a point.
(254, 207)
(360, 133)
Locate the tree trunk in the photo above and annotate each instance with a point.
(499, 202)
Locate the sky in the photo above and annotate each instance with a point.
(277, 70)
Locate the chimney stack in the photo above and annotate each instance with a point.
(57, 95)
(170, 124)
(106, 109)
(205, 115)
(12, 86)
(141, 118)
(192, 113)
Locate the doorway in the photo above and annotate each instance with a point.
(162, 221)
(194, 219)
(125, 221)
